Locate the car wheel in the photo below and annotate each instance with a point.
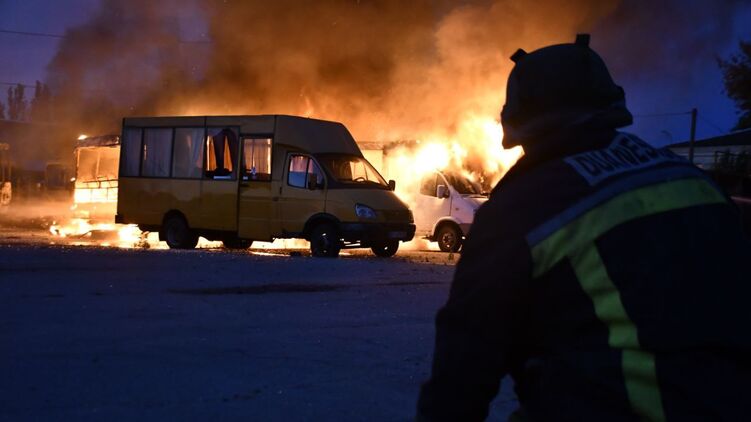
(177, 234)
(236, 243)
(386, 250)
(324, 241)
(449, 238)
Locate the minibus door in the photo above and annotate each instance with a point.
(303, 193)
(429, 207)
(257, 208)
(219, 185)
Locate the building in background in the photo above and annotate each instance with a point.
(716, 151)
(727, 159)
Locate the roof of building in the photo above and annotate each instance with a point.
(740, 137)
(98, 141)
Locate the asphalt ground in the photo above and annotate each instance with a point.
(94, 332)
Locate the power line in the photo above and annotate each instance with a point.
(710, 123)
(59, 36)
(31, 34)
(685, 113)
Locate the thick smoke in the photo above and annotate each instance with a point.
(388, 69)
(106, 67)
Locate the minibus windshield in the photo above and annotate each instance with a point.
(352, 170)
(463, 185)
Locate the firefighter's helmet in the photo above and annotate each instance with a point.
(557, 87)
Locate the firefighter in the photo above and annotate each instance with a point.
(608, 278)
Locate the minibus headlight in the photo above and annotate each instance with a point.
(364, 211)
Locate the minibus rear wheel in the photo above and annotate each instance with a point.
(324, 241)
(386, 250)
(177, 234)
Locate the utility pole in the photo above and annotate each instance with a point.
(691, 140)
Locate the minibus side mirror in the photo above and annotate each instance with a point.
(392, 184)
(442, 191)
(312, 184)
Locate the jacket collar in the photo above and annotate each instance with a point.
(584, 138)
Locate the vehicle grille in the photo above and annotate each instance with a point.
(398, 216)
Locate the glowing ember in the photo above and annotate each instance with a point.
(79, 231)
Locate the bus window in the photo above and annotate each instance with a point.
(256, 159)
(188, 153)
(131, 151)
(221, 147)
(157, 151)
(88, 161)
(107, 169)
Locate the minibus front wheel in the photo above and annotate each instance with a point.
(324, 241)
(237, 243)
(177, 234)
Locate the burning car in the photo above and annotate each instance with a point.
(446, 207)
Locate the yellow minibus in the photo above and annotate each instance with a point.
(241, 179)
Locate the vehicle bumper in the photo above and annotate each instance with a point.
(373, 233)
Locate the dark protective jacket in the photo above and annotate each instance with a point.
(611, 280)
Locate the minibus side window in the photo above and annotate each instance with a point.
(303, 170)
(131, 151)
(157, 152)
(298, 170)
(188, 153)
(256, 164)
(314, 173)
(221, 150)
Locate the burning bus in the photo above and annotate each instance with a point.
(92, 213)
(95, 190)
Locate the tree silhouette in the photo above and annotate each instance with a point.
(41, 103)
(736, 75)
(16, 103)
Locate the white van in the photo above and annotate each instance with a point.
(445, 208)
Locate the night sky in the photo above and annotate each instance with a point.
(685, 75)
